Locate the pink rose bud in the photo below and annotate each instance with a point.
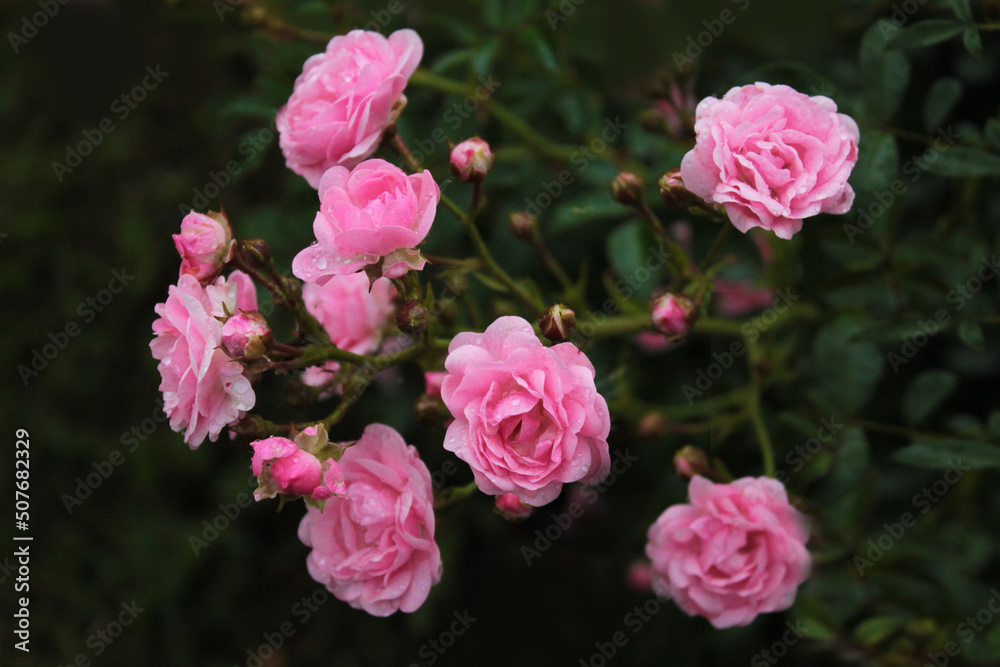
(471, 160)
(204, 244)
(298, 474)
(511, 508)
(522, 225)
(246, 335)
(696, 561)
(790, 159)
(433, 380)
(674, 194)
(558, 323)
(345, 99)
(281, 467)
(371, 218)
(626, 188)
(640, 576)
(690, 462)
(674, 315)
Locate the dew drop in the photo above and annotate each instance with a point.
(584, 468)
(515, 401)
(321, 263)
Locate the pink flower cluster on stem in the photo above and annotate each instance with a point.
(203, 389)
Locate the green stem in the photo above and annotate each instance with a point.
(453, 495)
(756, 413)
(422, 77)
(678, 260)
(483, 251)
(716, 247)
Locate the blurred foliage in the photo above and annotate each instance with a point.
(909, 398)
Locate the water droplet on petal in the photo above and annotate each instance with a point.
(584, 468)
(321, 263)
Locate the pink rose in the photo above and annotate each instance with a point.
(355, 317)
(293, 470)
(528, 418)
(373, 213)
(471, 160)
(204, 244)
(246, 334)
(344, 100)
(374, 547)
(737, 550)
(772, 156)
(203, 389)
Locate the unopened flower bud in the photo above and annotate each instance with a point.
(557, 323)
(626, 188)
(674, 194)
(674, 315)
(255, 252)
(413, 317)
(511, 508)
(691, 461)
(652, 426)
(522, 225)
(205, 244)
(246, 335)
(471, 160)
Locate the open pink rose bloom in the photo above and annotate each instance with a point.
(373, 547)
(528, 418)
(344, 100)
(771, 156)
(735, 551)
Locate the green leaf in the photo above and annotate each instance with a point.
(941, 99)
(871, 631)
(944, 453)
(971, 334)
(973, 43)
(926, 393)
(452, 59)
(962, 10)
(884, 73)
(816, 620)
(959, 161)
(542, 48)
(484, 57)
(924, 33)
(992, 130)
(844, 370)
(878, 163)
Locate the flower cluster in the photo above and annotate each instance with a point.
(525, 416)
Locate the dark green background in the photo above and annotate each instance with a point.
(130, 539)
